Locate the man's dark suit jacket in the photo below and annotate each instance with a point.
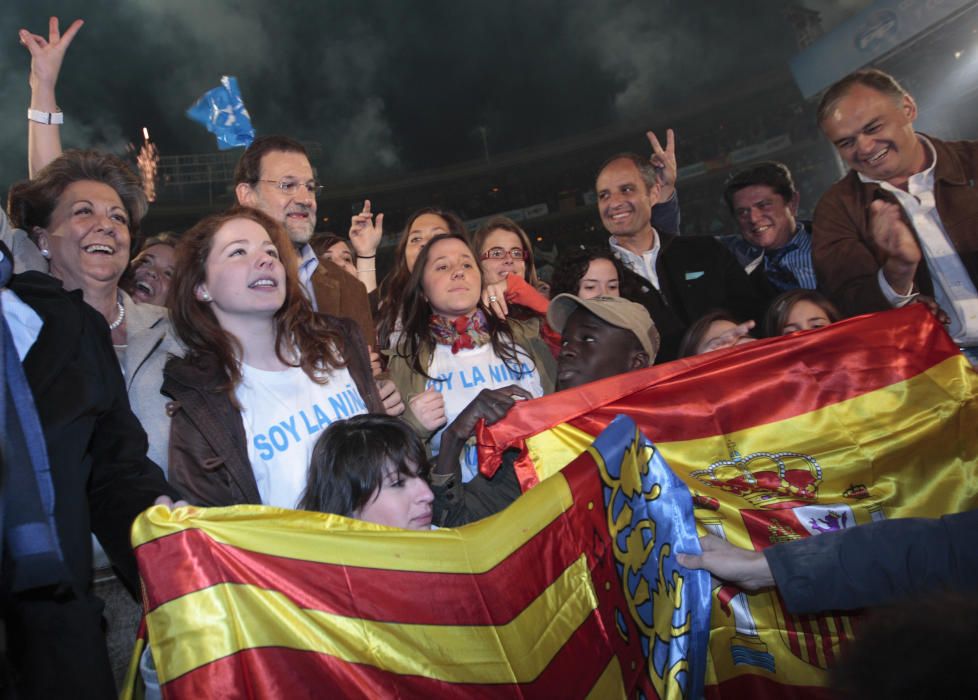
(697, 274)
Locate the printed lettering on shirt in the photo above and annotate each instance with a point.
(459, 377)
(307, 423)
(476, 376)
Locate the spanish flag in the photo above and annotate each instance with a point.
(873, 417)
(573, 591)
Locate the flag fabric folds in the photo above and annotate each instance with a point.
(222, 111)
(870, 418)
(573, 591)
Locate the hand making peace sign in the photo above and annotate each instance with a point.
(664, 162)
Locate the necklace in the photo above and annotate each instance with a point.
(120, 318)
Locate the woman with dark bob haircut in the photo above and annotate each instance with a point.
(372, 468)
(258, 358)
(83, 211)
(588, 273)
(799, 310)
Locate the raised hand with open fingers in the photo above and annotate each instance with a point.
(48, 54)
(664, 162)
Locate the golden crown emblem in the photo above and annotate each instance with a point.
(772, 480)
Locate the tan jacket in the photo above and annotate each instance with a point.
(340, 294)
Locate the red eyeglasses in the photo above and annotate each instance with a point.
(501, 253)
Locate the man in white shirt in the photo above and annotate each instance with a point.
(677, 278)
(902, 226)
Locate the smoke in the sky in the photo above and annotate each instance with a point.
(387, 86)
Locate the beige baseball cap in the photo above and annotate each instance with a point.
(617, 311)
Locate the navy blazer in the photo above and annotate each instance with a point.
(697, 274)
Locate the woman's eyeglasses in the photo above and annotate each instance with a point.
(502, 253)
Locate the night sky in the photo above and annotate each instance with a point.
(387, 87)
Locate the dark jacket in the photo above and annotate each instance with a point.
(102, 480)
(847, 261)
(96, 446)
(208, 450)
(458, 504)
(697, 274)
(877, 564)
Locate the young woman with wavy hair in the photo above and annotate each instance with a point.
(263, 373)
(450, 350)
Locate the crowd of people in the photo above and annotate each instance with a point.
(250, 361)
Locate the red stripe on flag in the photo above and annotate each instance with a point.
(189, 561)
(809, 625)
(749, 685)
(281, 672)
(589, 518)
(823, 629)
(793, 634)
(787, 376)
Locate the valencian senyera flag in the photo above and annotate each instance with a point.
(223, 112)
(873, 417)
(573, 591)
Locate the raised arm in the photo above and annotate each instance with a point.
(664, 162)
(665, 213)
(44, 139)
(366, 230)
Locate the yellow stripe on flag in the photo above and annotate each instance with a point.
(554, 449)
(513, 653)
(906, 449)
(610, 684)
(899, 441)
(298, 535)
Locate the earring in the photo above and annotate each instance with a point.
(45, 253)
(205, 296)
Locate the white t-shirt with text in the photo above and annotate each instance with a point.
(460, 378)
(284, 413)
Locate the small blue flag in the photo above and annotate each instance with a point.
(222, 111)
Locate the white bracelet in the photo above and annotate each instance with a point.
(36, 115)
